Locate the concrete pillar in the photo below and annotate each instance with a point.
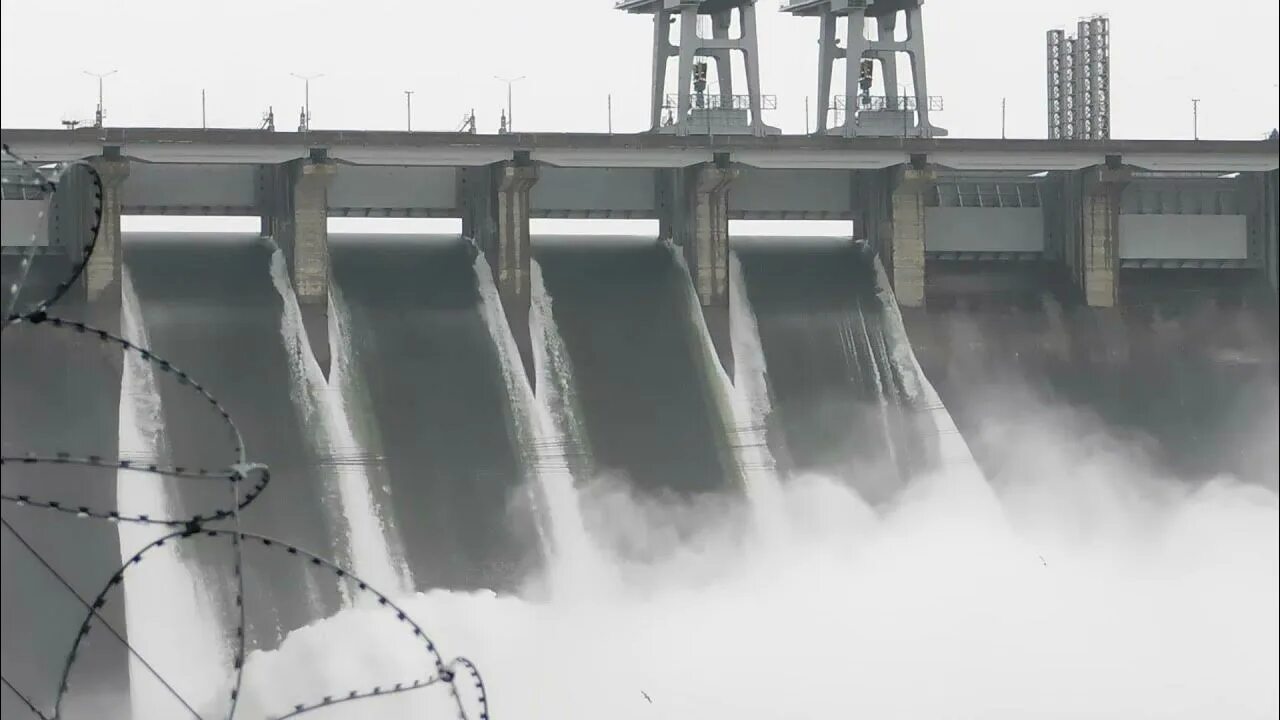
(1094, 260)
(510, 252)
(911, 186)
(102, 273)
(701, 228)
(296, 214)
(494, 204)
(1271, 225)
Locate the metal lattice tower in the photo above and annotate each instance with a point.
(692, 109)
(856, 111)
(1078, 81)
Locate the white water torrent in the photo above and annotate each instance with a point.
(167, 610)
(743, 401)
(861, 337)
(323, 404)
(1099, 591)
(347, 385)
(750, 401)
(954, 454)
(579, 568)
(547, 432)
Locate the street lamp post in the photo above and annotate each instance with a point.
(509, 82)
(408, 110)
(100, 113)
(1195, 118)
(306, 101)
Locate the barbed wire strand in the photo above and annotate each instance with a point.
(22, 696)
(94, 612)
(443, 671)
(78, 268)
(194, 526)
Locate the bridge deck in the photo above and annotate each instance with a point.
(362, 147)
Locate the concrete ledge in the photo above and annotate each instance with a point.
(430, 148)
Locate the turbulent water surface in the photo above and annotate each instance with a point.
(642, 538)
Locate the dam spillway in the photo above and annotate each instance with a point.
(447, 468)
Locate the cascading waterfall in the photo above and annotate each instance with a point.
(346, 384)
(856, 335)
(996, 619)
(744, 409)
(750, 399)
(954, 454)
(576, 564)
(547, 433)
(163, 595)
(322, 404)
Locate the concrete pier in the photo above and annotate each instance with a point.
(102, 273)
(1270, 224)
(1092, 253)
(310, 266)
(495, 209)
(699, 224)
(296, 215)
(907, 237)
(510, 253)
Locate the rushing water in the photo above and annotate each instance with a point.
(1053, 593)
(60, 393)
(809, 538)
(363, 545)
(164, 599)
(439, 423)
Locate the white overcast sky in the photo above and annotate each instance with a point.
(574, 53)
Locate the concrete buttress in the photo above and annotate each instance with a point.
(494, 201)
(102, 272)
(510, 254)
(298, 219)
(1094, 261)
(701, 228)
(907, 240)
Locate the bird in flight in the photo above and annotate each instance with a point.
(646, 696)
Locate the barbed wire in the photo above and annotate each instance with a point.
(237, 472)
(49, 186)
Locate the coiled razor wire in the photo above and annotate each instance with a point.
(236, 473)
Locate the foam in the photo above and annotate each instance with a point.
(1084, 598)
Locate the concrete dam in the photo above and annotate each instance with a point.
(460, 418)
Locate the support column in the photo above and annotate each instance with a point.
(1271, 225)
(1094, 260)
(857, 45)
(828, 53)
(662, 52)
(299, 222)
(701, 228)
(906, 241)
(102, 273)
(510, 253)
